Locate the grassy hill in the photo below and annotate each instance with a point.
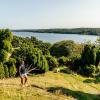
(51, 86)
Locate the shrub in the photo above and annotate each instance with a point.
(52, 62)
(2, 74)
(11, 67)
(45, 65)
(97, 58)
(63, 48)
(3, 55)
(36, 58)
(6, 71)
(75, 62)
(63, 60)
(88, 55)
(12, 71)
(7, 46)
(88, 70)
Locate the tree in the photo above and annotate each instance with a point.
(32, 56)
(63, 61)
(3, 55)
(6, 71)
(63, 48)
(11, 67)
(52, 62)
(97, 58)
(5, 43)
(2, 74)
(88, 55)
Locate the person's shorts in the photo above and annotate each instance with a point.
(24, 75)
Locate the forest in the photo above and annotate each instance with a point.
(62, 56)
(82, 31)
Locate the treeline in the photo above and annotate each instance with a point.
(64, 55)
(83, 31)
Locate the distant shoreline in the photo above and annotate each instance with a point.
(81, 31)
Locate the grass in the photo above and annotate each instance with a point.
(51, 86)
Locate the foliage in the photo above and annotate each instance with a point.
(32, 56)
(3, 55)
(88, 70)
(63, 60)
(63, 48)
(52, 61)
(97, 57)
(11, 67)
(76, 63)
(88, 55)
(6, 71)
(6, 34)
(5, 43)
(86, 31)
(2, 74)
(17, 41)
(7, 46)
(34, 42)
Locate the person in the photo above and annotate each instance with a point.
(23, 73)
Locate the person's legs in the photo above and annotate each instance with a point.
(25, 79)
(22, 80)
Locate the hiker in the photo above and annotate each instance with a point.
(23, 74)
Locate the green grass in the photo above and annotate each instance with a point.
(51, 86)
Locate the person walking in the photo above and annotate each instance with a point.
(23, 73)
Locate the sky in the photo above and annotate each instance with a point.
(36, 14)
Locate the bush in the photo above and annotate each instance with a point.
(7, 46)
(63, 48)
(88, 55)
(63, 60)
(36, 58)
(3, 55)
(97, 58)
(52, 62)
(76, 63)
(11, 67)
(12, 71)
(2, 74)
(88, 70)
(6, 71)
(45, 65)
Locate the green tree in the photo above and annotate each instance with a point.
(63, 60)
(98, 58)
(6, 71)
(52, 62)
(3, 55)
(88, 55)
(63, 48)
(11, 67)
(2, 74)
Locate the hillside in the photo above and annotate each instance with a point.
(51, 86)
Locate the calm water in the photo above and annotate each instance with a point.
(52, 38)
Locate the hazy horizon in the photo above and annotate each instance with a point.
(44, 14)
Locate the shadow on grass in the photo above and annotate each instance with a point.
(37, 86)
(96, 80)
(75, 94)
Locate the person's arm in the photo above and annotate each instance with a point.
(20, 70)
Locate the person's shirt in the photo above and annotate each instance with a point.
(22, 69)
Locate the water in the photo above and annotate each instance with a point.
(52, 37)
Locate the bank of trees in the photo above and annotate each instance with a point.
(80, 58)
(84, 31)
(7, 64)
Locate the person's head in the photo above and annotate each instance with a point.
(22, 62)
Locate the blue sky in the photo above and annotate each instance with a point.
(27, 14)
